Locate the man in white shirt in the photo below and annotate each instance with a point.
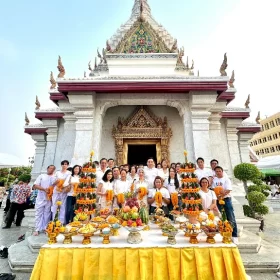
(43, 203)
(213, 164)
(221, 181)
(201, 171)
(101, 171)
(111, 163)
(150, 172)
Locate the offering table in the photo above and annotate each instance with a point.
(152, 259)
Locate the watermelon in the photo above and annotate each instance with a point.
(144, 215)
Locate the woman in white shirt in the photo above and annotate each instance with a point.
(158, 187)
(208, 197)
(70, 183)
(142, 183)
(103, 187)
(172, 184)
(164, 171)
(133, 174)
(121, 186)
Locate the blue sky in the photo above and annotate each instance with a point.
(34, 33)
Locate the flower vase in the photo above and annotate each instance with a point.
(52, 238)
(227, 237)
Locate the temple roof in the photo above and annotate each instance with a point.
(140, 27)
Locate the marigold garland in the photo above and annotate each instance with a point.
(86, 190)
(75, 187)
(175, 200)
(59, 185)
(142, 192)
(85, 180)
(120, 198)
(88, 170)
(90, 201)
(190, 190)
(132, 187)
(190, 180)
(189, 201)
(158, 198)
(109, 195)
(50, 193)
(187, 170)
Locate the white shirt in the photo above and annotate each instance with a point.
(163, 175)
(207, 198)
(44, 181)
(170, 186)
(150, 175)
(164, 192)
(61, 175)
(223, 182)
(129, 178)
(71, 180)
(99, 175)
(205, 172)
(121, 187)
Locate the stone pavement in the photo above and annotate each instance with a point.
(271, 236)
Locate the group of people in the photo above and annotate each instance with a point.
(119, 179)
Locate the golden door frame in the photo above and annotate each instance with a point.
(127, 142)
(142, 127)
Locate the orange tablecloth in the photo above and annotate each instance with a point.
(189, 263)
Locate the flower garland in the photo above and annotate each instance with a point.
(120, 198)
(59, 185)
(109, 196)
(50, 192)
(142, 192)
(158, 198)
(218, 190)
(175, 200)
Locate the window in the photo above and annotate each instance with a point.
(272, 124)
(277, 121)
(264, 140)
(262, 151)
(278, 148)
(269, 138)
(260, 141)
(266, 150)
(272, 150)
(266, 126)
(257, 153)
(262, 128)
(275, 136)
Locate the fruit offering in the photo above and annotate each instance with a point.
(88, 228)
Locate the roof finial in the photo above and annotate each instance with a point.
(37, 103)
(258, 118)
(26, 119)
(89, 66)
(224, 66)
(108, 47)
(187, 63)
(100, 56)
(247, 101)
(192, 67)
(174, 47)
(141, 11)
(231, 81)
(52, 80)
(85, 74)
(197, 73)
(60, 68)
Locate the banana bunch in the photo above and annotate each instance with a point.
(88, 228)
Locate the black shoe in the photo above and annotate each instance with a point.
(5, 227)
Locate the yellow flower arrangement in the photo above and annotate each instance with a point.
(142, 192)
(158, 199)
(59, 203)
(120, 198)
(175, 200)
(185, 153)
(92, 153)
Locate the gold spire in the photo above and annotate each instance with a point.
(37, 103)
(187, 63)
(26, 119)
(247, 101)
(52, 80)
(60, 68)
(258, 118)
(231, 81)
(224, 66)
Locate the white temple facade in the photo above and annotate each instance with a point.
(141, 99)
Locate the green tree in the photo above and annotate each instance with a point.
(246, 172)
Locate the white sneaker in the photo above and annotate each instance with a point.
(235, 240)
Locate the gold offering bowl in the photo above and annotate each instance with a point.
(87, 236)
(171, 237)
(106, 237)
(193, 238)
(68, 236)
(52, 238)
(115, 229)
(226, 237)
(134, 236)
(210, 237)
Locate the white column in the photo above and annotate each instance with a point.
(84, 111)
(200, 104)
(188, 136)
(232, 139)
(40, 143)
(217, 146)
(244, 138)
(52, 131)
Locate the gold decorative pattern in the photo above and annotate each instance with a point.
(52, 81)
(231, 81)
(37, 103)
(141, 125)
(224, 66)
(247, 102)
(60, 68)
(156, 44)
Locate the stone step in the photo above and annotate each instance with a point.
(36, 242)
(249, 243)
(21, 258)
(249, 223)
(256, 264)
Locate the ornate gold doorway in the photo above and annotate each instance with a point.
(142, 127)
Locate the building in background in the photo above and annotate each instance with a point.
(267, 142)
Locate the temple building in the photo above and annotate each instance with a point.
(142, 98)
